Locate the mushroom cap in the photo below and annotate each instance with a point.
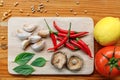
(74, 63)
(59, 60)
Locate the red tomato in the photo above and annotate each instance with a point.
(107, 61)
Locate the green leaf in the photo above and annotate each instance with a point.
(39, 62)
(24, 69)
(23, 58)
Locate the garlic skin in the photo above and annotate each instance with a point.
(43, 33)
(20, 31)
(34, 38)
(29, 27)
(38, 46)
(22, 35)
(25, 43)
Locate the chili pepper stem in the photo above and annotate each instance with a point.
(77, 39)
(48, 26)
(69, 31)
(51, 34)
(56, 33)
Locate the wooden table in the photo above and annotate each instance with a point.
(96, 9)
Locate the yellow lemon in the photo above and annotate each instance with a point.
(107, 31)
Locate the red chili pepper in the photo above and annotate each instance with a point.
(80, 34)
(81, 42)
(80, 46)
(60, 34)
(68, 45)
(51, 34)
(63, 41)
(62, 30)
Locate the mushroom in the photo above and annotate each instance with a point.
(22, 35)
(59, 60)
(29, 27)
(25, 43)
(43, 33)
(34, 38)
(38, 46)
(74, 63)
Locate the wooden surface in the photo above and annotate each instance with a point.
(96, 9)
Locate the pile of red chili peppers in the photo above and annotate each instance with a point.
(68, 38)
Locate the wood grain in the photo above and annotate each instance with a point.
(96, 9)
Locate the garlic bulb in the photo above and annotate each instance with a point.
(34, 38)
(29, 27)
(43, 33)
(25, 43)
(38, 46)
(22, 35)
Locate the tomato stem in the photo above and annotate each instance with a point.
(114, 52)
(111, 68)
(112, 62)
(106, 57)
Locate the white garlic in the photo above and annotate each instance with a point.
(20, 31)
(38, 46)
(34, 38)
(29, 27)
(25, 43)
(22, 35)
(43, 33)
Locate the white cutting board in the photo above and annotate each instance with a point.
(78, 24)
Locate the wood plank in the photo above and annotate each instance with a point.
(96, 9)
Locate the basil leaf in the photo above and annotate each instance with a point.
(24, 69)
(23, 58)
(39, 62)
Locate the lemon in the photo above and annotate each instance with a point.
(107, 31)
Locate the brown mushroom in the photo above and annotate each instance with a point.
(74, 63)
(59, 60)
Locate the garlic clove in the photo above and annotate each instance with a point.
(38, 46)
(23, 35)
(25, 43)
(20, 31)
(34, 39)
(29, 27)
(43, 33)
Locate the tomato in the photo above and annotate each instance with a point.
(107, 61)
